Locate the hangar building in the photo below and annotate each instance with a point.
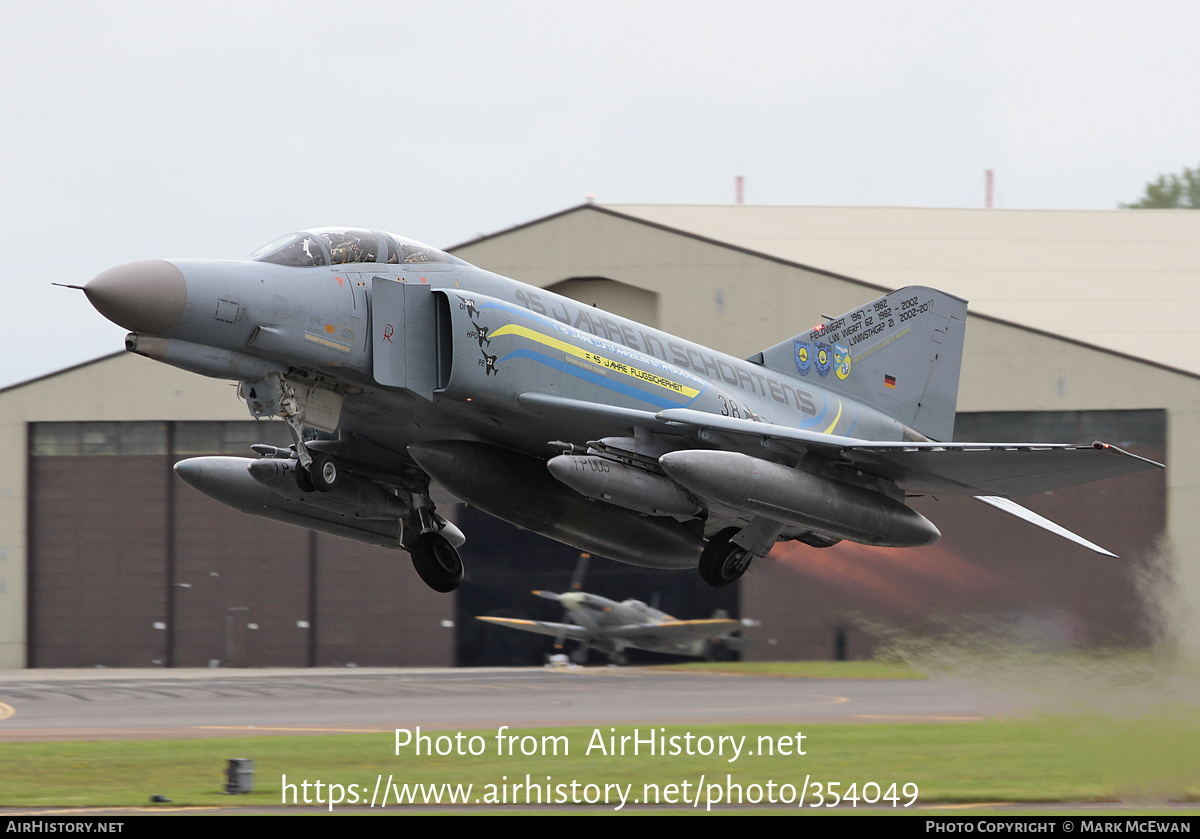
(1079, 329)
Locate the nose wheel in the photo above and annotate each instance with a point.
(437, 562)
(320, 476)
(724, 561)
(324, 472)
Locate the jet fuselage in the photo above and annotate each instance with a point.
(505, 338)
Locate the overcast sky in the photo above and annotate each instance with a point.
(140, 130)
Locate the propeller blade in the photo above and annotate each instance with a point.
(580, 571)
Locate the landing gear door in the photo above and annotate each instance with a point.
(404, 336)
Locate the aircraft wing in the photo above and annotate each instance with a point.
(990, 472)
(976, 469)
(564, 630)
(674, 631)
(1004, 469)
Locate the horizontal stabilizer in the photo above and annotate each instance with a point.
(1015, 509)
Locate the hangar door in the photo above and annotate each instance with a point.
(130, 567)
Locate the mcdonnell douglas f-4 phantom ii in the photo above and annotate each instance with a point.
(394, 364)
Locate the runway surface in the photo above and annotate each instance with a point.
(134, 704)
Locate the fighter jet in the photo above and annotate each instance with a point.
(610, 436)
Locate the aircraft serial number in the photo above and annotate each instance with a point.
(729, 408)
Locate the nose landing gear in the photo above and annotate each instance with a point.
(321, 475)
(324, 472)
(422, 533)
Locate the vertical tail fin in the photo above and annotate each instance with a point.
(901, 353)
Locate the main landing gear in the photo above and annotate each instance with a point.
(724, 561)
(437, 562)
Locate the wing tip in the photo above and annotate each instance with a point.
(1102, 446)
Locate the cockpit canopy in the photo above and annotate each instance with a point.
(639, 606)
(342, 245)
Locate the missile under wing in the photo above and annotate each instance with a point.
(398, 367)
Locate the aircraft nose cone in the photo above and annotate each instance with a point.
(571, 600)
(141, 296)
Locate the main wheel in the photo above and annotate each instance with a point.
(723, 561)
(437, 563)
(324, 472)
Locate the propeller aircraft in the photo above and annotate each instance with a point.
(612, 627)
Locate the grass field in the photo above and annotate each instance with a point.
(1049, 759)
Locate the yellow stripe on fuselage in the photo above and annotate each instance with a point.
(597, 359)
(835, 419)
(325, 342)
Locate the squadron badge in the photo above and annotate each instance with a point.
(803, 356)
(824, 359)
(841, 361)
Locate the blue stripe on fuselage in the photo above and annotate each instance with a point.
(608, 344)
(593, 378)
